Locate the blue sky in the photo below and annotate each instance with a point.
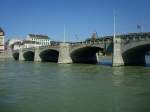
(81, 17)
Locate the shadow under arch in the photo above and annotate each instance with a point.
(136, 56)
(16, 56)
(49, 55)
(85, 55)
(28, 56)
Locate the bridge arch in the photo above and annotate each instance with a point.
(16, 55)
(135, 54)
(86, 54)
(49, 55)
(28, 55)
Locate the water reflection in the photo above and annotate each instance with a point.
(129, 83)
(51, 87)
(147, 58)
(118, 75)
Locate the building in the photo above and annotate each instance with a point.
(29, 44)
(31, 41)
(17, 45)
(40, 40)
(2, 36)
(13, 44)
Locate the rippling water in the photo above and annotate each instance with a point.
(51, 87)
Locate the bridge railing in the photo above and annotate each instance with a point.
(135, 39)
(90, 43)
(13, 51)
(55, 45)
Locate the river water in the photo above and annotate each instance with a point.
(51, 87)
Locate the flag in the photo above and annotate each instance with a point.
(139, 27)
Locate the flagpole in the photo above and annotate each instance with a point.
(114, 27)
(64, 34)
(142, 24)
(142, 28)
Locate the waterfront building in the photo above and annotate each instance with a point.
(29, 44)
(2, 36)
(17, 45)
(38, 40)
(14, 44)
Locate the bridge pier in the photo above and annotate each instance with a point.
(117, 59)
(21, 58)
(64, 53)
(36, 55)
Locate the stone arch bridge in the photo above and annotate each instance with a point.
(127, 50)
(131, 49)
(64, 52)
